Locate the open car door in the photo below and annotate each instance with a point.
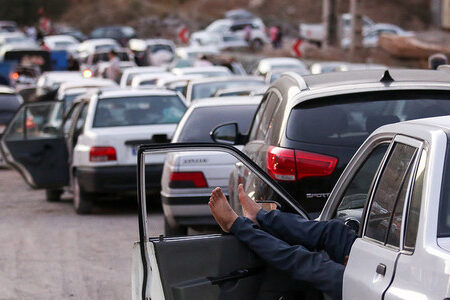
(34, 144)
(211, 266)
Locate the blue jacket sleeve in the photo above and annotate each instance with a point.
(300, 263)
(333, 236)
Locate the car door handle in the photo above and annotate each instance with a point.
(235, 275)
(381, 269)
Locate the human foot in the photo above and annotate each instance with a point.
(221, 210)
(250, 207)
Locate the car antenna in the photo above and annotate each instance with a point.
(387, 78)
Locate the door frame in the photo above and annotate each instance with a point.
(144, 150)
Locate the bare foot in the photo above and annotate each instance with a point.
(250, 207)
(221, 210)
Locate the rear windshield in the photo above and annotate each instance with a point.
(143, 110)
(347, 120)
(156, 48)
(204, 119)
(9, 102)
(208, 89)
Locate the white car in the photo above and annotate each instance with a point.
(156, 52)
(371, 35)
(228, 33)
(130, 73)
(193, 52)
(93, 153)
(266, 65)
(188, 177)
(15, 38)
(146, 80)
(91, 46)
(393, 193)
(50, 81)
(212, 71)
(342, 66)
(61, 42)
(207, 87)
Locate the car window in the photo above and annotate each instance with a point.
(69, 117)
(97, 33)
(208, 89)
(258, 116)
(81, 118)
(356, 193)
(350, 119)
(160, 47)
(142, 110)
(412, 219)
(266, 119)
(35, 122)
(392, 179)
(204, 119)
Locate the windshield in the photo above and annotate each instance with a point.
(350, 119)
(142, 110)
(156, 48)
(208, 89)
(204, 119)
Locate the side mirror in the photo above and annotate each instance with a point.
(226, 134)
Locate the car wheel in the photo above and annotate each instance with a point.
(81, 199)
(177, 230)
(52, 195)
(257, 45)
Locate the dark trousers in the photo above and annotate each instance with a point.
(293, 245)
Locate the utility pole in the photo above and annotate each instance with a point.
(329, 20)
(356, 26)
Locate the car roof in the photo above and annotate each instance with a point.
(227, 101)
(373, 76)
(312, 87)
(442, 122)
(126, 92)
(60, 37)
(277, 60)
(99, 41)
(200, 69)
(227, 78)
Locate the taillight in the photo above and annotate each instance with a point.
(290, 165)
(313, 164)
(100, 154)
(187, 180)
(281, 163)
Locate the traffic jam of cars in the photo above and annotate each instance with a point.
(365, 145)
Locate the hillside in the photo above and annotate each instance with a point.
(152, 17)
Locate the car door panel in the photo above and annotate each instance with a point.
(36, 147)
(45, 160)
(228, 271)
(376, 270)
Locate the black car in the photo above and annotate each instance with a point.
(9, 104)
(122, 34)
(306, 129)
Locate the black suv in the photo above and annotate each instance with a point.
(306, 129)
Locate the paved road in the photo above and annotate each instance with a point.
(49, 252)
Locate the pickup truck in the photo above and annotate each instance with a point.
(393, 193)
(315, 33)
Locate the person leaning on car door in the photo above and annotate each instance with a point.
(288, 242)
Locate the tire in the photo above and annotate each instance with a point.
(81, 199)
(170, 230)
(52, 195)
(257, 45)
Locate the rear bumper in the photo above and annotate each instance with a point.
(118, 179)
(187, 211)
